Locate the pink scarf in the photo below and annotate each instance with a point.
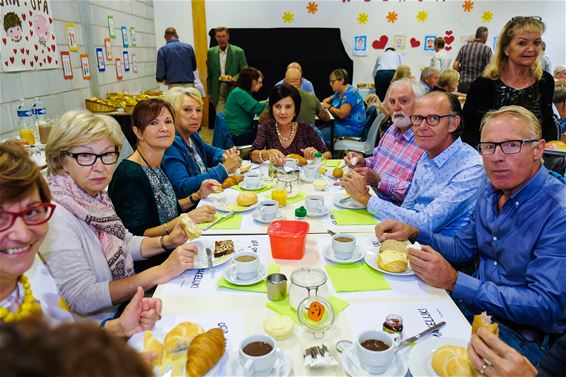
(98, 212)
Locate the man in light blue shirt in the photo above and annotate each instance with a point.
(444, 189)
(306, 85)
(517, 234)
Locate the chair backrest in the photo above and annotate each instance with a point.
(371, 114)
(371, 140)
(222, 137)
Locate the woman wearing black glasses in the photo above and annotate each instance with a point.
(88, 249)
(514, 76)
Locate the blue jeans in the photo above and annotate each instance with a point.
(531, 350)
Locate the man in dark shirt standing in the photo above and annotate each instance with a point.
(472, 59)
(175, 62)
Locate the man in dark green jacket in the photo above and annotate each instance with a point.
(224, 59)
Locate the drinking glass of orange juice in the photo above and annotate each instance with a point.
(27, 135)
(280, 196)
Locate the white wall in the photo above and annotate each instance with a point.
(442, 16)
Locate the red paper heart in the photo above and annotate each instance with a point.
(449, 40)
(42, 51)
(448, 32)
(53, 47)
(50, 20)
(24, 16)
(15, 50)
(415, 43)
(36, 47)
(35, 57)
(6, 63)
(49, 59)
(48, 48)
(23, 61)
(56, 62)
(22, 50)
(27, 51)
(448, 48)
(40, 64)
(44, 60)
(4, 40)
(380, 43)
(30, 13)
(31, 63)
(53, 36)
(12, 59)
(30, 23)
(30, 33)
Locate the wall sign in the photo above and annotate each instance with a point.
(119, 73)
(108, 49)
(85, 67)
(125, 42)
(111, 31)
(126, 57)
(67, 66)
(100, 60)
(72, 37)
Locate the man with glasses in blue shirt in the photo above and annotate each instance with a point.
(517, 233)
(443, 192)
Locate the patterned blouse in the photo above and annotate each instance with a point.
(529, 98)
(163, 193)
(305, 136)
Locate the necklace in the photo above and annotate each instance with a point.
(290, 137)
(28, 308)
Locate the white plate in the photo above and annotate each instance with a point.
(235, 368)
(231, 277)
(305, 179)
(235, 207)
(261, 220)
(420, 357)
(398, 367)
(347, 202)
(201, 261)
(357, 255)
(243, 185)
(371, 260)
(324, 212)
(329, 171)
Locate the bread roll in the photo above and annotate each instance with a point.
(300, 159)
(246, 199)
(484, 320)
(191, 229)
(204, 352)
(392, 261)
(393, 245)
(150, 343)
(181, 336)
(279, 326)
(452, 361)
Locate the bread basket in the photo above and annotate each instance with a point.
(97, 107)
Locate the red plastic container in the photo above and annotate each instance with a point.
(288, 238)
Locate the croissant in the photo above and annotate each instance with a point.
(204, 352)
(152, 344)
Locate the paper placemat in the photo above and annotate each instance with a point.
(353, 217)
(356, 277)
(233, 222)
(258, 287)
(284, 308)
(332, 163)
(300, 196)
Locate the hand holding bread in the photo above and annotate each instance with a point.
(392, 256)
(191, 229)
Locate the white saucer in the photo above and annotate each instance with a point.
(324, 212)
(371, 260)
(243, 185)
(398, 367)
(235, 368)
(357, 255)
(231, 277)
(256, 216)
(347, 202)
(305, 179)
(420, 357)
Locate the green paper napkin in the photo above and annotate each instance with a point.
(284, 308)
(258, 287)
(268, 186)
(353, 217)
(356, 277)
(233, 222)
(332, 163)
(300, 196)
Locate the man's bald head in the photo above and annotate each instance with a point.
(293, 77)
(295, 65)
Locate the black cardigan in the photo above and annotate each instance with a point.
(481, 99)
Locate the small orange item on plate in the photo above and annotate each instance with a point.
(316, 311)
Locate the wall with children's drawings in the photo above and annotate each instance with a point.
(382, 22)
(45, 28)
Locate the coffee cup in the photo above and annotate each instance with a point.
(314, 203)
(268, 209)
(247, 264)
(291, 163)
(258, 355)
(252, 181)
(310, 172)
(343, 245)
(376, 350)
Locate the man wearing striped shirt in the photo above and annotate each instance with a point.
(472, 59)
(391, 167)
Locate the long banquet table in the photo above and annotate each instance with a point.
(195, 296)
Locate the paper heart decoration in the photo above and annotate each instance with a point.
(380, 43)
(12, 59)
(49, 59)
(30, 23)
(36, 47)
(23, 16)
(27, 51)
(15, 50)
(4, 40)
(56, 62)
(48, 48)
(24, 61)
(415, 43)
(448, 32)
(53, 36)
(35, 57)
(30, 13)
(42, 51)
(30, 33)
(449, 39)
(448, 48)
(50, 20)
(31, 63)
(6, 63)
(40, 64)
(26, 37)
(22, 50)
(53, 47)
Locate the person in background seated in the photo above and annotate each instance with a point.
(560, 72)
(346, 106)
(448, 81)
(304, 84)
(310, 105)
(559, 100)
(241, 107)
(440, 60)
(402, 72)
(520, 283)
(389, 171)
(88, 249)
(190, 161)
(141, 192)
(282, 134)
(25, 209)
(444, 189)
(429, 78)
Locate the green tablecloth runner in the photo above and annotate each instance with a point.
(356, 277)
(353, 217)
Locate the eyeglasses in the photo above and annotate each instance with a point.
(507, 147)
(33, 215)
(89, 159)
(519, 19)
(431, 119)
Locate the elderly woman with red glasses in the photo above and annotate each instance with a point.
(26, 286)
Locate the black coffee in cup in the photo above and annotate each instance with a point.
(375, 345)
(257, 348)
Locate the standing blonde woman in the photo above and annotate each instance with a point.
(88, 250)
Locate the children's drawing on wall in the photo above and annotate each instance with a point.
(125, 36)
(132, 36)
(111, 31)
(126, 57)
(72, 37)
(100, 60)
(429, 42)
(108, 48)
(67, 66)
(399, 42)
(119, 72)
(134, 62)
(360, 45)
(28, 41)
(85, 67)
